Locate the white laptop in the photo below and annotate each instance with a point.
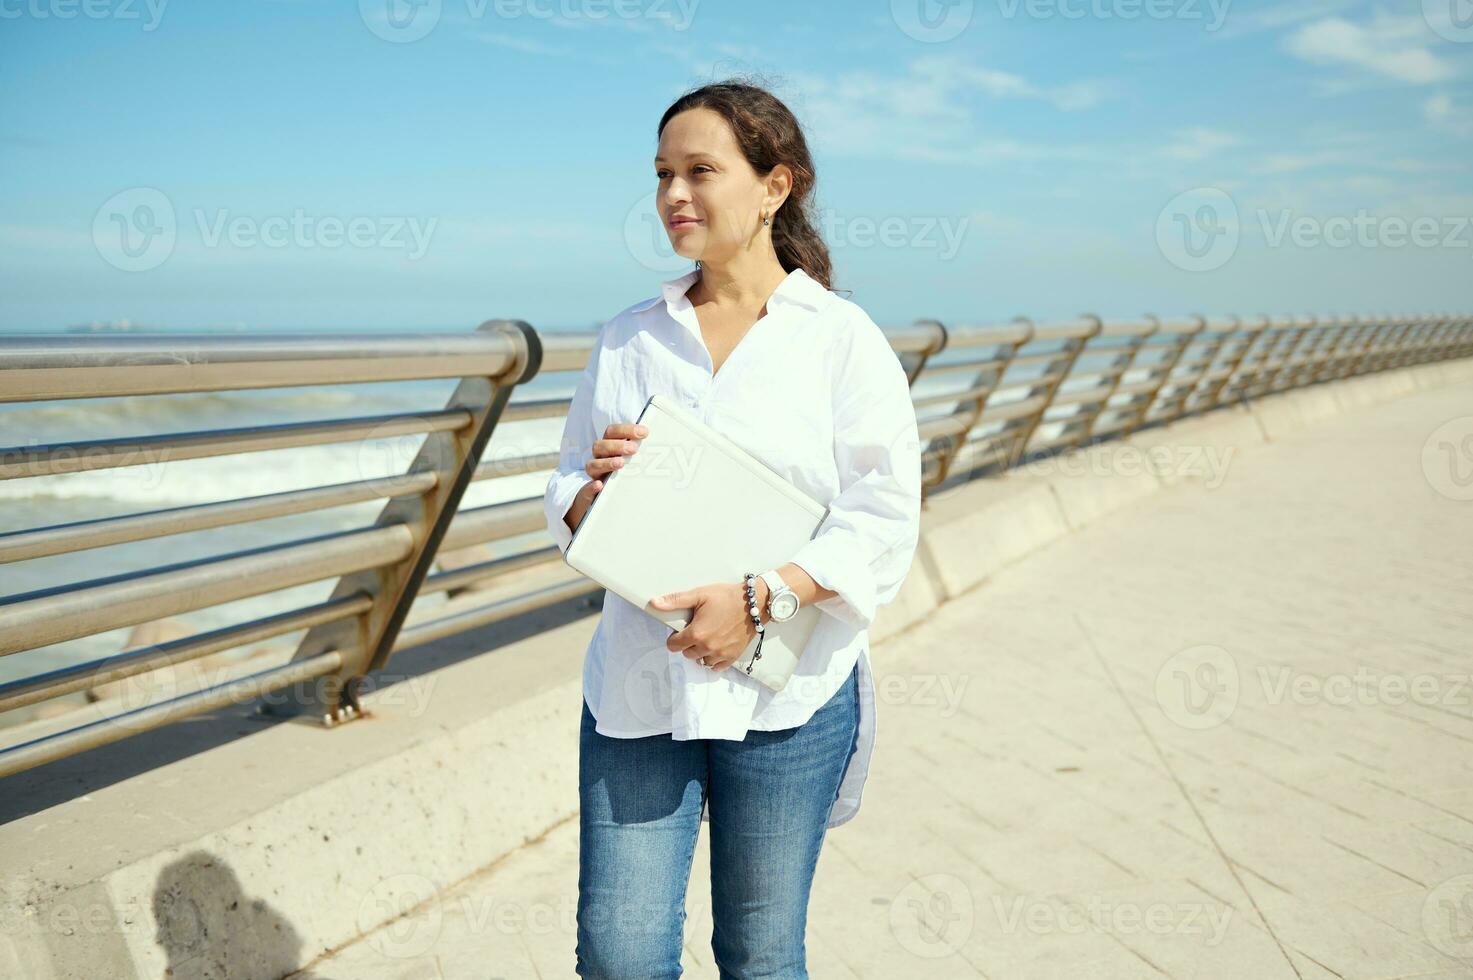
(692, 508)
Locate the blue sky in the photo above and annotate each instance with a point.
(315, 167)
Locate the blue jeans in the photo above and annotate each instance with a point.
(770, 796)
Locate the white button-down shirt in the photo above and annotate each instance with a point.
(814, 390)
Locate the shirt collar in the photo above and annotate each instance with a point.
(798, 288)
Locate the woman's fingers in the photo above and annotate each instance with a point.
(620, 441)
(626, 430)
(603, 465)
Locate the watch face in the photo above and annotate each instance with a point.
(784, 606)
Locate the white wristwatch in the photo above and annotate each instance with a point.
(782, 602)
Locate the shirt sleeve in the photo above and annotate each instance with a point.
(575, 448)
(864, 548)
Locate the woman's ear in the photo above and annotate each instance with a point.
(779, 186)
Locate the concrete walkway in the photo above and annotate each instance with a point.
(1222, 733)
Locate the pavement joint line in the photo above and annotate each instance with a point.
(1187, 797)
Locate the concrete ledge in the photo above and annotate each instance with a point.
(1200, 449)
(1290, 411)
(1091, 482)
(254, 857)
(252, 854)
(980, 527)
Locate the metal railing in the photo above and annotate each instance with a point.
(986, 397)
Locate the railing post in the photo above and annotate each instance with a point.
(1384, 345)
(1374, 330)
(366, 641)
(1170, 365)
(1072, 348)
(1288, 373)
(974, 412)
(1326, 368)
(1214, 395)
(939, 328)
(1136, 342)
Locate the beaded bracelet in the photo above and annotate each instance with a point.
(756, 617)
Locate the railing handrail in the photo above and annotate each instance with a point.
(1003, 393)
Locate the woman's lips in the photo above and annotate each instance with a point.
(679, 223)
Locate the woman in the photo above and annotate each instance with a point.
(754, 342)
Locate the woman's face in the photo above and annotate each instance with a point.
(704, 177)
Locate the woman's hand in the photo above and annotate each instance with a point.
(720, 627)
(620, 441)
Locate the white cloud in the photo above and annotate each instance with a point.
(955, 77)
(931, 111)
(1275, 164)
(522, 44)
(1199, 143)
(1242, 23)
(1392, 47)
(1445, 114)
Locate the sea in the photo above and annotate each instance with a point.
(154, 485)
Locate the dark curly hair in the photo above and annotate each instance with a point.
(768, 134)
